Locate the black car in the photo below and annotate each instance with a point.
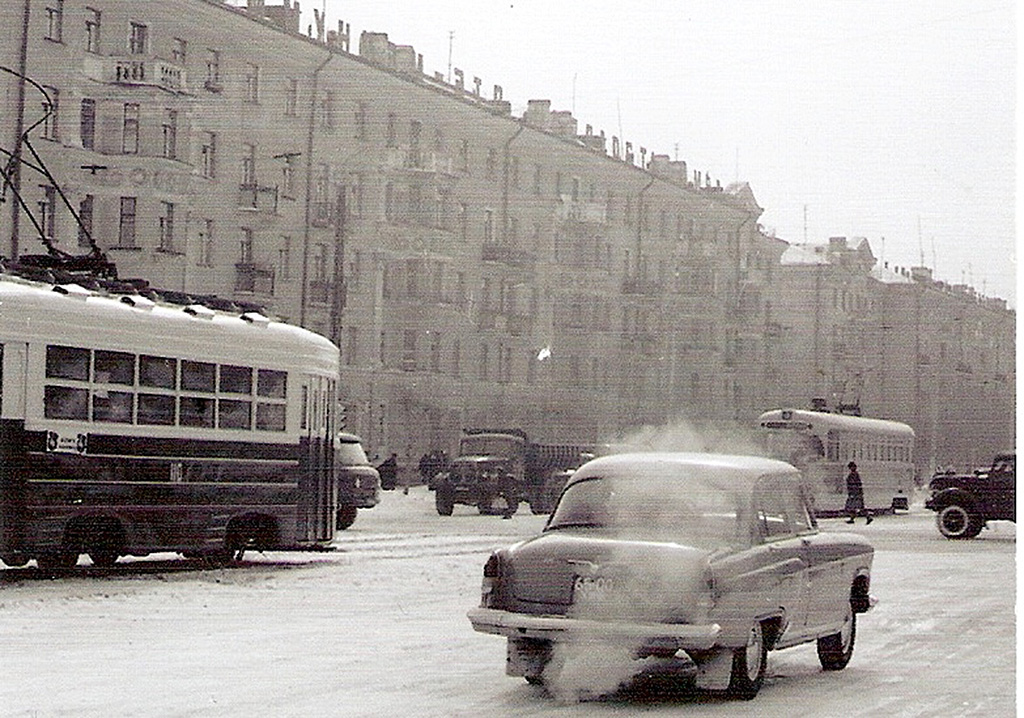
(965, 502)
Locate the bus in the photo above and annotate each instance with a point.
(130, 425)
(821, 444)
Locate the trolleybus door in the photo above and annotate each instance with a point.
(316, 483)
(13, 363)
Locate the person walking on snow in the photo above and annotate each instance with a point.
(855, 495)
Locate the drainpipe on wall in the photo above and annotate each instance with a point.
(303, 298)
(640, 225)
(505, 183)
(19, 127)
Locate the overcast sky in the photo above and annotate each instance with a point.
(887, 120)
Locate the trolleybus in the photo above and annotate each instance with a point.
(130, 426)
(821, 444)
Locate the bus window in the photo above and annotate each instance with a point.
(270, 417)
(198, 375)
(832, 445)
(235, 379)
(113, 368)
(62, 402)
(196, 410)
(159, 372)
(67, 363)
(112, 406)
(156, 409)
(271, 384)
(232, 414)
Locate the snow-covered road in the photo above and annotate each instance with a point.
(378, 628)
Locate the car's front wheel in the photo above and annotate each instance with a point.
(834, 651)
(957, 521)
(749, 664)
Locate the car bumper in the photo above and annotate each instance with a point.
(697, 637)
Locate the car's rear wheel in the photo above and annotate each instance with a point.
(958, 521)
(834, 651)
(345, 517)
(749, 664)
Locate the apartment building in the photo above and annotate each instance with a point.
(476, 268)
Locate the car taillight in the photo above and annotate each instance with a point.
(492, 576)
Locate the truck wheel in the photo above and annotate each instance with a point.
(958, 521)
(444, 501)
(834, 651)
(345, 517)
(748, 665)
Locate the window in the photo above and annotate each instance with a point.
(138, 38)
(130, 129)
(208, 155)
(464, 156)
(248, 166)
(488, 225)
(48, 211)
(55, 21)
(126, 226)
(167, 227)
(180, 51)
(87, 123)
(284, 258)
(51, 105)
(391, 136)
(291, 97)
(85, 215)
(212, 82)
(361, 120)
(92, 30)
(252, 82)
(325, 111)
(288, 178)
(245, 247)
(206, 243)
(492, 162)
(170, 134)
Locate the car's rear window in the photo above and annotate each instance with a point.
(691, 512)
(350, 453)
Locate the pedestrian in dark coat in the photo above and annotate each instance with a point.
(855, 495)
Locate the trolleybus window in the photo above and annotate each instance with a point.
(113, 368)
(198, 376)
(236, 379)
(158, 372)
(271, 383)
(67, 363)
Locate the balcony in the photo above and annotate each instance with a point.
(253, 278)
(506, 254)
(582, 211)
(416, 160)
(137, 70)
(256, 198)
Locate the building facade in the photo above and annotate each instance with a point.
(474, 267)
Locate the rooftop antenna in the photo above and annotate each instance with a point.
(676, 146)
(805, 224)
(935, 264)
(451, 39)
(920, 242)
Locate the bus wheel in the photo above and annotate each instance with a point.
(103, 557)
(56, 559)
(14, 560)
